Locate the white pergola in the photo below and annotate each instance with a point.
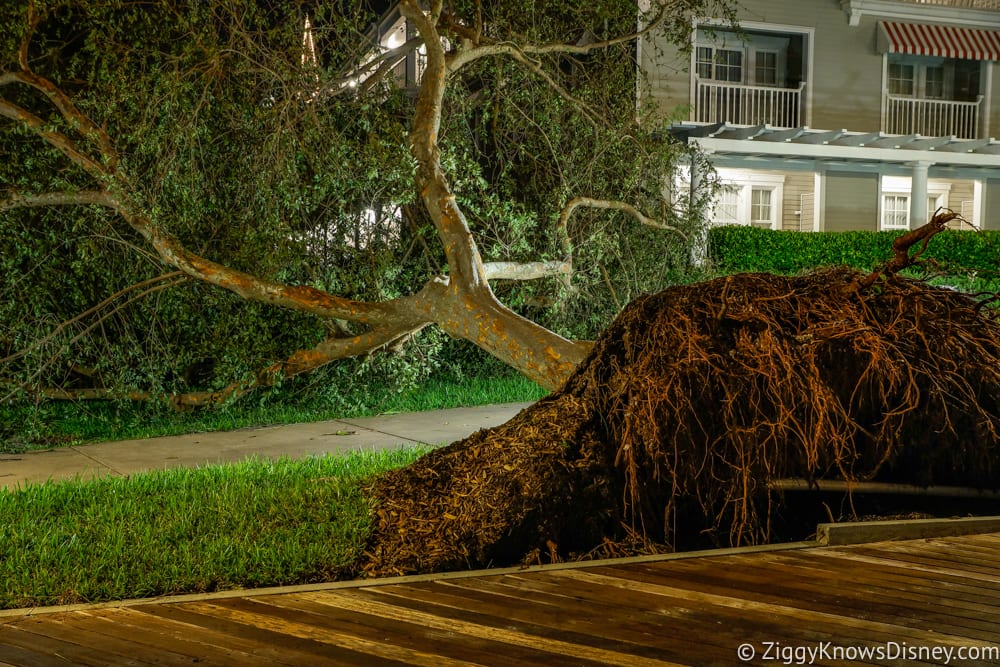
(803, 148)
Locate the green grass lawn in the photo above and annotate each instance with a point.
(246, 525)
(56, 424)
(251, 524)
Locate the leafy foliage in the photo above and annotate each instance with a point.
(258, 161)
(957, 253)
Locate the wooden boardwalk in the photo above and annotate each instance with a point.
(917, 600)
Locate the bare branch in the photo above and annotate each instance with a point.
(527, 270)
(435, 10)
(22, 50)
(71, 113)
(82, 198)
(57, 140)
(901, 248)
(296, 297)
(93, 325)
(298, 363)
(92, 394)
(558, 47)
(517, 54)
(59, 328)
(450, 23)
(468, 55)
(562, 226)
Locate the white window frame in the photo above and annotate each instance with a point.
(885, 212)
(938, 193)
(743, 182)
(920, 66)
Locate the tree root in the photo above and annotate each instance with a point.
(695, 400)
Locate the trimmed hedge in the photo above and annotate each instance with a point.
(737, 249)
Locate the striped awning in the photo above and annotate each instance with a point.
(939, 40)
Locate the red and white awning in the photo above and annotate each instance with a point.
(939, 40)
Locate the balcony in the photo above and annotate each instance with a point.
(960, 4)
(932, 118)
(742, 104)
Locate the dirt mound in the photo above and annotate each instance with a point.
(697, 397)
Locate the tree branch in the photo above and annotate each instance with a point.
(449, 220)
(562, 226)
(59, 328)
(527, 270)
(517, 54)
(901, 248)
(55, 139)
(69, 111)
(82, 198)
(170, 250)
(22, 49)
(298, 363)
(468, 55)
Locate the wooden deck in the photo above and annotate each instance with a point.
(917, 596)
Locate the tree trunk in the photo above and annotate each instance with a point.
(466, 307)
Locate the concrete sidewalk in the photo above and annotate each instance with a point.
(437, 427)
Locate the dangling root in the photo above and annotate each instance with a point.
(693, 401)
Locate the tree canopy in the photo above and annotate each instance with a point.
(196, 200)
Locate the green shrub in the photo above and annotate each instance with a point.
(735, 249)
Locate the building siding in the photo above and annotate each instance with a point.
(797, 183)
(847, 68)
(851, 202)
(991, 191)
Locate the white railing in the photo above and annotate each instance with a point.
(963, 4)
(932, 118)
(717, 102)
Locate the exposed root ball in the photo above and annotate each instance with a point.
(694, 399)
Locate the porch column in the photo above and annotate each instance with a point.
(698, 168)
(699, 245)
(919, 214)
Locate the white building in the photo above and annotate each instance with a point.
(830, 115)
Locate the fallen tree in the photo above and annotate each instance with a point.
(695, 399)
(200, 140)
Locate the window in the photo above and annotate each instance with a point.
(727, 205)
(760, 207)
(900, 79)
(749, 198)
(930, 77)
(705, 63)
(720, 64)
(895, 211)
(934, 82)
(764, 57)
(766, 68)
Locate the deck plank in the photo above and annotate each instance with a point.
(832, 615)
(684, 623)
(303, 651)
(623, 629)
(360, 601)
(443, 645)
(50, 646)
(964, 602)
(818, 594)
(691, 611)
